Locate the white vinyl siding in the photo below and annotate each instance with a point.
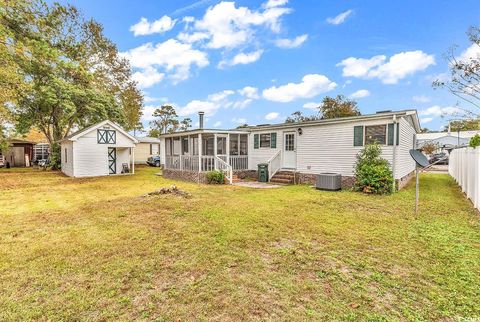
(262, 154)
(142, 151)
(67, 167)
(405, 163)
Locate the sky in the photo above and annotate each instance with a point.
(256, 62)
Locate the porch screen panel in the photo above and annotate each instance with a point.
(221, 145)
(234, 146)
(243, 144)
(176, 146)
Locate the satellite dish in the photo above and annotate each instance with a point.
(419, 158)
(422, 165)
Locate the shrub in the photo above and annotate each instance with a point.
(215, 177)
(373, 173)
(429, 148)
(474, 141)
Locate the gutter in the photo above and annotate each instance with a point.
(394, 161)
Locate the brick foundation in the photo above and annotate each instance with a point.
(246, 174)
(192, 176)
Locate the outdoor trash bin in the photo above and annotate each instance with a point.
(263, 172)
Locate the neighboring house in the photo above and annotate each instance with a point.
(446, 140)
(147, 147)
(19, 154)
(99, 150)
(298, 150)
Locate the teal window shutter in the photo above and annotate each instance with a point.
(398, 134)
(256, 141)
(358, 135)
(391, 127)
(273, 140)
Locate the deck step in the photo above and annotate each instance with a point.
(283, 177)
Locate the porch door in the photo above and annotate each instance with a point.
(112, 160)
(289, 150)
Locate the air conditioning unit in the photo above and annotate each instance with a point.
(329, 181)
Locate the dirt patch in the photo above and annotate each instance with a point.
(165, 191)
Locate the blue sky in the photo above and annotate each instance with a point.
(258, 61)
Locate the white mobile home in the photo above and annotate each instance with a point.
(99, 150)
(294, 152)
(147, 147)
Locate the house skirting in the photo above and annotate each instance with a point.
(300, 178)
(201, 177)
(403, 181)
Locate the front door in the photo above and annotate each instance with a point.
(289, 150)
(112, 160)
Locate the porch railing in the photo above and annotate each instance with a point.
(239, 162)
(205, 162)
(274, 164)
(225, 168)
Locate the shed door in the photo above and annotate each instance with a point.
(18, 156)
(112, 160)
(289, 150)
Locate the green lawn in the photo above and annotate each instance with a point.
(94, 249)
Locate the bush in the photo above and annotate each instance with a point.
(215, 177)
(373, 174)
(474, 141)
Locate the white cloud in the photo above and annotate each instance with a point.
(436, 110)
(396, 68)
(360, 93)
(242, 58)
(227, 26)
(312, 105)
(421, 99)
(242, 103)
(340, 18)
(359, 67)
(147, 77)
(249, 92)
(148, 112)
(174, 57)
(143, 27)
(274, 3)
(272, 116)
(472, 52)
(239, 120)
(220, 96)
(425, 120)
(217, 124)
(291, 43)
(310, 86)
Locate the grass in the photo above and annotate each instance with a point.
(94, 249)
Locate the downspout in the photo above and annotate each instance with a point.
(394, 161)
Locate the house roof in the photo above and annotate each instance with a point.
(147, 139)
(438, 135)
(19, 141)
(379, 115)
(74, 136)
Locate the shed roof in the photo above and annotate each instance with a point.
(74, 136)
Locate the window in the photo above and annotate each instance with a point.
(106, 136)
(66, 156)
(221, 145)
(265, 140)
(376, 133)
(290, 142)
(243, 144)
(185, 145)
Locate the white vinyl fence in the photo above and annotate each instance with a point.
(464, 167)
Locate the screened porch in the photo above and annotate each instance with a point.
(207, 152)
